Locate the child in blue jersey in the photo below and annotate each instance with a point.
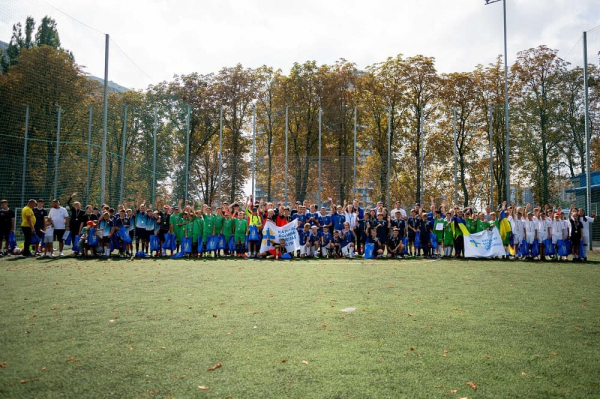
(140, 227)
(105, 230)
(150, 225)
(304, 240)
(324, 220)
(347, 241)
(301, 217)
(337, 218)
(337, 243)
(327, 246)
(313, 242)
(122, 223)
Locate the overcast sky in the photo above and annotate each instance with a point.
(164, 38)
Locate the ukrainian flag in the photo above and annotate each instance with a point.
(462, 227)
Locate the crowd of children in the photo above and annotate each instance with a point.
(345, 230)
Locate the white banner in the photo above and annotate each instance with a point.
(287, 233)
(484, 244)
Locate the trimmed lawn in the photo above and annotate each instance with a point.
(421, 328)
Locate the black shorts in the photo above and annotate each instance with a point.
(140, 233)
(4, 234)
(105, 240)
(58, 234)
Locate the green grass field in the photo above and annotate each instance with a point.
(421, 328)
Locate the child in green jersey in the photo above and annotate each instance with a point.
(448, 236)
(209, 227)
(227, 230)
(438, 229)
(240, 231)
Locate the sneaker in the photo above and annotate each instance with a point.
(61, 254)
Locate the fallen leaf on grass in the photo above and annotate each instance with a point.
(216, 366)
(24, 381)
(453, 390)
(305, 362)
(3, 364)
(214, 315)
(411, 348)
(202, 387)
(111, 321)
(553, 353)
(131, 348)
(472, 384)
(524, 374)
(409, 315)
(283, 361)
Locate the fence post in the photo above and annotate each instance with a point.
(320, 198)
(104, 124)
(588, 190)
(220, 152)
(491, 158)
(455, 160)
(154, 158)
(187, 151)
(25, 155)
(57, 153)
(389, 160)
(89, 157)
(123, 156)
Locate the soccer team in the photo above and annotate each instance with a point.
(346, 231)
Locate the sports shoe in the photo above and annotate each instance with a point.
(61, 254)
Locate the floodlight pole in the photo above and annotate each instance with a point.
(507, 124)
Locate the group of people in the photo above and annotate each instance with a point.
(343, 230)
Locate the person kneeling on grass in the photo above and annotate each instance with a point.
(327, 246)
(347, 241)
(374, 239)
(314, 240)
(394, 245)
(305, 241)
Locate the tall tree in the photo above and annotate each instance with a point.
(538, 74)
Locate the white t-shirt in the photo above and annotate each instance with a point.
(586, 227)
(402, 213)
(49, 232)
(58, 217)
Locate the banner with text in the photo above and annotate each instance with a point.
(485, 244)
(289, 233)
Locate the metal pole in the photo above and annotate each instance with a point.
(455, 161)
(253, 147)
(220, 152)
(124, 141)
(422, 162)
(104, 124)
(89, 158)
(320, 114)
(588, 193)
(491, 158)
(57, 152)
(354, 177)
(187, 150)
(25, 155)
(286, 156)
(154, 159)
(507, 166)
(389, 160)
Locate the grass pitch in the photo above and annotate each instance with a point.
(152, 328)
